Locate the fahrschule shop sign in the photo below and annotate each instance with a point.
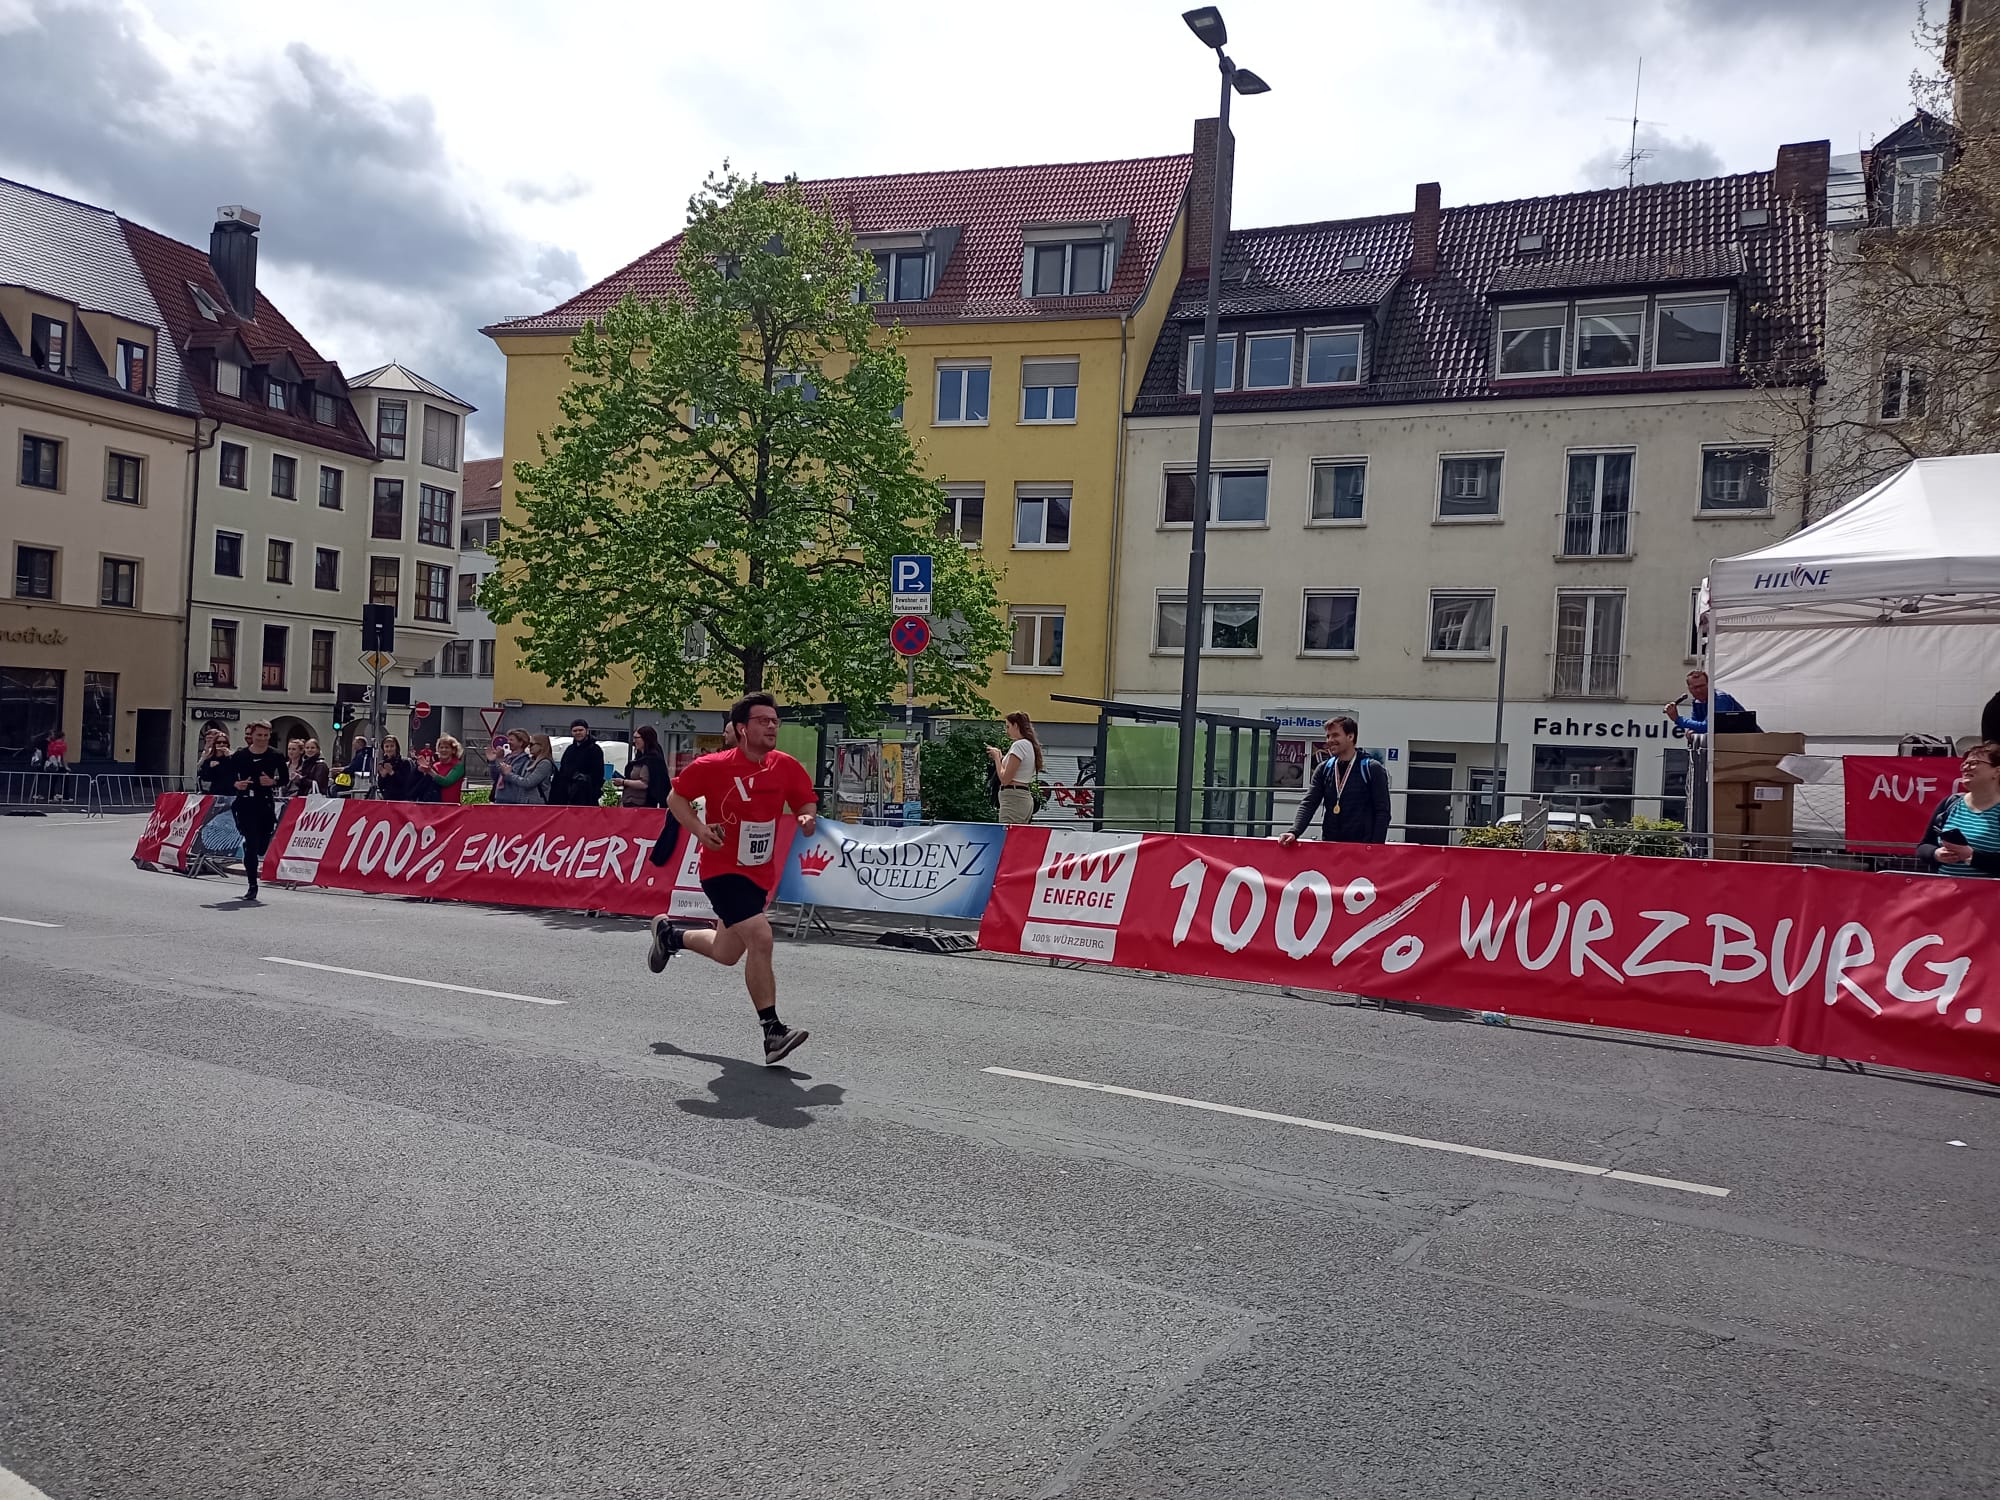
(1605, 729)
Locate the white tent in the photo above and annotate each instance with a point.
(1879, 621)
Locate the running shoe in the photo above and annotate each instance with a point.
(779, 1045)
(663, 942)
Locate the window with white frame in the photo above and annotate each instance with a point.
(1329, 620)
(694, 642)
(1267, 361)
(1041, 515)
(1461, 623)
(1071, 268)
(1333, 356)
(1225, 363)
(1468, 487)
(1690, 332)
(1236, 497)
(1609, 336)
(275, 393)
(1590, 644)
(284, 476)
(798, 380)
(1905, 391)
(1597, 511)
(277, 560)
(1919, 176)
(1230, 622)
(1736, 479)
(1048, 390)
(964, 518)
(1530, 340)
(1339, 491)
(963, 393)
(1038, 640)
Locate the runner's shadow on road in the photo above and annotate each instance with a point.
(234, 904)
(746, 1090)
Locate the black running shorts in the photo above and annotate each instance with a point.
(736, 898)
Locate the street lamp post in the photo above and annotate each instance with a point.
(1206, 24)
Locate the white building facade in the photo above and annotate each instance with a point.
(1530, 417)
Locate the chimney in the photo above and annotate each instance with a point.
(1201, 203)
(232, 251)
(1424, 226)
(1800, 178)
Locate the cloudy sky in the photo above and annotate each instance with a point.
(427, 168)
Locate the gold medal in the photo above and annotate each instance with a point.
(1336, 809)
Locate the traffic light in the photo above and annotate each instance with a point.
(378, 627)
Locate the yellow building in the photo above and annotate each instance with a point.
(1030, 298)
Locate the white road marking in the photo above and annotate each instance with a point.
(1487, 1153)
(24, 922)
(429, 984)
(12, 1485)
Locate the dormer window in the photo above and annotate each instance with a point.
(1075, 269)
(228, 377)
(274, 394)
(50, 338)
(1918, 178)
(323, 409)
(132, 366)
(1670, 331)
(901, 276)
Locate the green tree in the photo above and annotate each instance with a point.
(717, 508)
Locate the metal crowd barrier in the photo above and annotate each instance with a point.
(43, 791)
(122, 792)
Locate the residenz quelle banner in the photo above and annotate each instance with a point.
(1894, 969)
(571, 858)
(942, 870)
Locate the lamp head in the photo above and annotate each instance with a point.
(1206, 23)
(1246, 82)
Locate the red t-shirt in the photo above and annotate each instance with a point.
(745, 800)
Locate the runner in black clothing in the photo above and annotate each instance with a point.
(257, 772)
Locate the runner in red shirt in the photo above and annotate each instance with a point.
(747, 790)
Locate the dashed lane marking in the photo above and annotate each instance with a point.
(428, 984)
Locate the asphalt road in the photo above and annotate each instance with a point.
(280, 1231)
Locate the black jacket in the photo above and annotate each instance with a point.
(580, 775)
(1984, 863)
(215, 776)
(1364, 815)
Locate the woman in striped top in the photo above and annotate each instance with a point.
(1964, 836)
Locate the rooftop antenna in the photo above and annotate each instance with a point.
(1633, 154)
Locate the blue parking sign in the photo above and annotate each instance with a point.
(910, 584)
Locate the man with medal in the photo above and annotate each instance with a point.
(1353, 787)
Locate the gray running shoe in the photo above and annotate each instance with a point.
(778, 1045)
(663, 942)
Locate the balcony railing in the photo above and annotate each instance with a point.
(1597, 533)
(1601, 675)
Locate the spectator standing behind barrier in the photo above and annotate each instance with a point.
(448, 769)
(310, 777)
(580, 777)
(1016, 768)
(362, 761)
(57, 765)
(211, 772)
(523, 774)
(1695, 720)
(1964, 833)
(1354, 788)
(394, 777)
(644, 783)
(257, 773)
(295, 751)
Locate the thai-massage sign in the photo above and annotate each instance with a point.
(1823, 961)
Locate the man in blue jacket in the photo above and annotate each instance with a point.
(1354, 788)
(1695, 720)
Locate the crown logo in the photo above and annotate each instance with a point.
(814, 861)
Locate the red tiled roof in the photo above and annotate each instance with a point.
(169, 266)
(982, 281)
(1434, 338)
(481, 488)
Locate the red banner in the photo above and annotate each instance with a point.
(1890, 799)
(567, 858)
(186, 825)
(1893, 969)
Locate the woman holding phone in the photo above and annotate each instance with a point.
(1964, 835)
